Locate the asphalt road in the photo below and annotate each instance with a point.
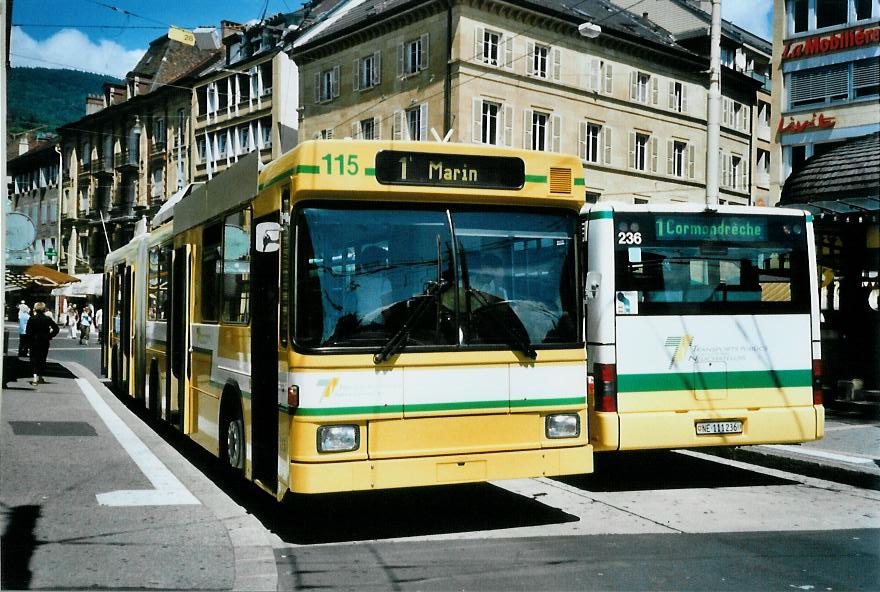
(642, 521)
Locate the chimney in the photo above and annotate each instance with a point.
(23, 145)
(228, 28)
(94, 103)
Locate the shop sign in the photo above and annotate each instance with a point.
(818, 121)
(825, 44)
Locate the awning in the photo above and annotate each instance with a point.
(19, 277)
(90, 284)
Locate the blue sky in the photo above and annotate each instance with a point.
(110, 36)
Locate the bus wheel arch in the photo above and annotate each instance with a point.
(232, 436)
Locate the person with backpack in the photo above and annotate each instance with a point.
(85, 326)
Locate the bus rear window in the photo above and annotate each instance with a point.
(672, 264)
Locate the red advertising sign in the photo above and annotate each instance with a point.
(817, 121)
(825, 44)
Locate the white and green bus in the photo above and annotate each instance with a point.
(702, 326)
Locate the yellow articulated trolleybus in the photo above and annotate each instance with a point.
(365, 315)
(702, 326)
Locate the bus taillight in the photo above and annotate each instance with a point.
(605, 387)
(293, 397)
(817, 382)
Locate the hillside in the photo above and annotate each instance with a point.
(47, 97)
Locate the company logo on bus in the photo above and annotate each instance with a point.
(680, 346)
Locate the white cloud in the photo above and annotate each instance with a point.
(755, 16)
(70, 48)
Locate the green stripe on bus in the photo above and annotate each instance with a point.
(298, 170)
(536, 178)
(641, 383)
(579, 182)
(600, 214)
(370, 172)
(428, 407)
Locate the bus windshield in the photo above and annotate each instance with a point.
(507, 277)
(701, 263)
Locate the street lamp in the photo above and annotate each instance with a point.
(589, 30)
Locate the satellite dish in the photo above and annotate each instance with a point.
(20, 232)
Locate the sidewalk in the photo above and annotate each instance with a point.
(93, 498)
(849, 452)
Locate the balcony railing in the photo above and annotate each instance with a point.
(125, 159)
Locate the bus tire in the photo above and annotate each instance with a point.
(231, 433)
(153, 401)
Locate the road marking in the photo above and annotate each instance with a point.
(169, 491)
(821, 454)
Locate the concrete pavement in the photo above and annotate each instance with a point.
(94, 498)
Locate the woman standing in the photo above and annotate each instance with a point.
(40, 331)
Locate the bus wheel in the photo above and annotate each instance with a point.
(232, 439)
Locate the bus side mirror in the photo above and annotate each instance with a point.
(594, 278)
(268, 237)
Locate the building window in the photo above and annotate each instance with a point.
(412, 56)
(677, 97)
(414, 124)
(491, 113)
(639, 151)
(679, 158)
(832, 84)
(800, 11)
(325, 134)
(600, 76)
(810, 15)
(831, 12)
(540, 53)
(367, 73)
(266, 132)
(201, 148)
(762, 174)
(538, 125)
(642, 89)
(865, 78)
(327, 85)
(594, 142)
(736, 171)
(491, 44)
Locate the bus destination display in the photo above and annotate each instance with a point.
(728, 228)
(394, 167)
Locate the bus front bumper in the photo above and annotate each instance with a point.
(438, 470)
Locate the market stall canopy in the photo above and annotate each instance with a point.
(89, 284)
(843, 181)
(20, 277)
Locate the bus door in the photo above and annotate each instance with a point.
(178, 342)
(264, 350)
(125, 333)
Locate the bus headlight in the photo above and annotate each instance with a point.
(567, 425)
(338, 438)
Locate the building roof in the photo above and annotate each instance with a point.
(728, 29)
(846, 179)
(356, 15)
(167, 60)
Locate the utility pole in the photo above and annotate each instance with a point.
(713, 123)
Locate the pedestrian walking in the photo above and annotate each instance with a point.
(72, 321)
(99, 324)
(40, 331)
(24, 315)
(85, 326)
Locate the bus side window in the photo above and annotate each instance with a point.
(211, 267)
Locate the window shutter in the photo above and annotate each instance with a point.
(479, 36)
(684, 98)
(672, 94)
(477, 124)
(423, 54)
(633, 85)
(401, 64)
(690, 163)
(356, 130)
(632, 150)
(317, 87)
(334, 82)
(609, 79)
(507, 124)
(377, 68)
(670, 157)
(507, 42)
(556, 55)
(725, 111)
(527, 129)
(555, 132)
(606, 143)
(654, 153)
(744, 174)
(725, 170)
(423, 121)
(655, 90)
(593, 75)
(746, 120)
(530, 58)
(582, 140)
(356, 74)
(397, 125)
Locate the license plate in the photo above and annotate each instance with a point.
(705, 428)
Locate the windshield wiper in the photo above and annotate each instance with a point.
(398, 340)
(516, 339)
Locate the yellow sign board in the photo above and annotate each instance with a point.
(182, 35)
